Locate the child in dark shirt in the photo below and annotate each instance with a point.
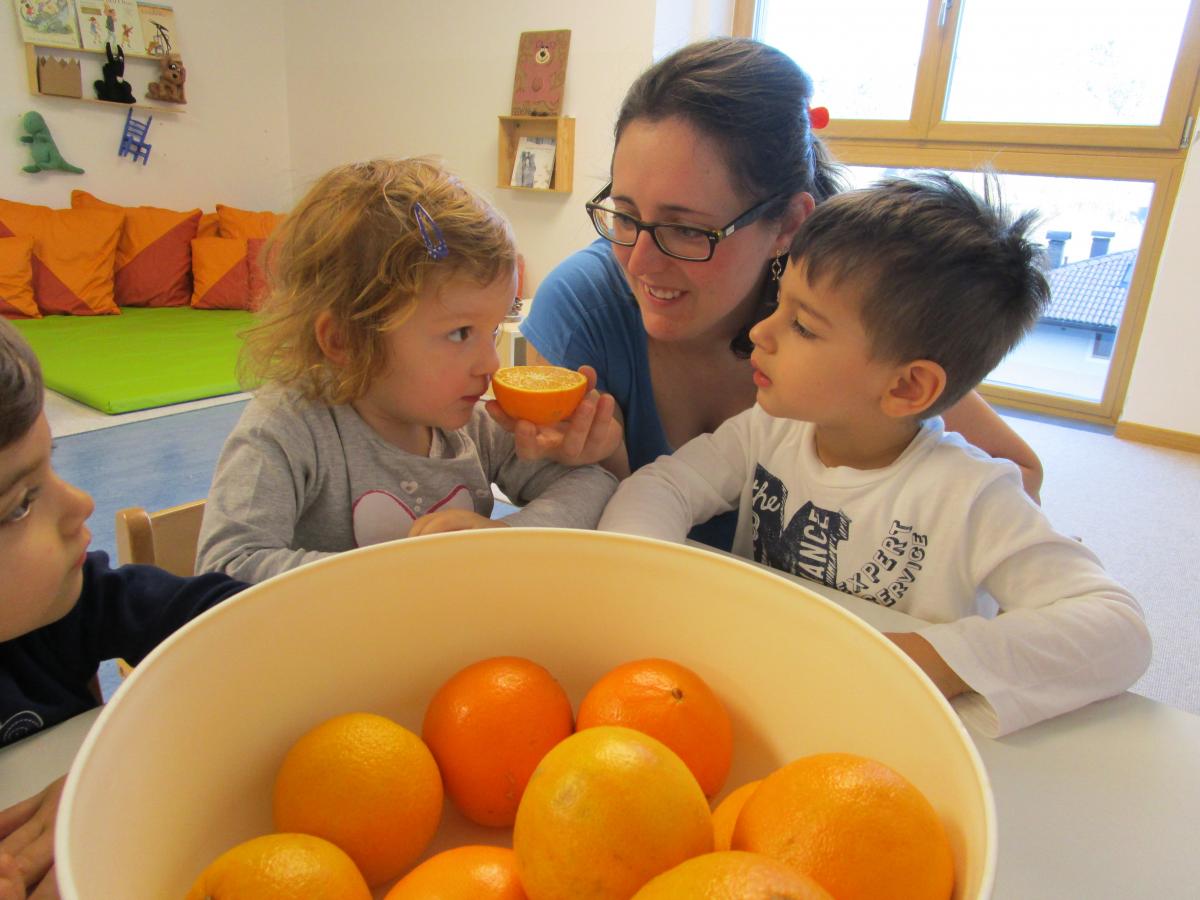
(62, 609)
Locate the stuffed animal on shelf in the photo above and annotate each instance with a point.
(114, 87)
(169, 86)
(42, 147)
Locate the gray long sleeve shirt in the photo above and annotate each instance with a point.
(298, 481)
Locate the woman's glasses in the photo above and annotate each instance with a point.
(689, 242)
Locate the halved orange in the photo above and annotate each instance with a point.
(542, 395)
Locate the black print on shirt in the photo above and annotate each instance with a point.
(808, 545)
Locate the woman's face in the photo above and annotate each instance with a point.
(667, 171)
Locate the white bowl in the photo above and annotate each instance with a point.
(180, 765)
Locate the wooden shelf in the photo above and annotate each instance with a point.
(31, 58)
(561, 128)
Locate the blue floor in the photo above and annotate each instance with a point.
(154, 463)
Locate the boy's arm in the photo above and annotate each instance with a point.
(1067, 635)
(128, 611)
(701, 479)
(255, 500)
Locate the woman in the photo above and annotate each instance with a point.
(714, 169)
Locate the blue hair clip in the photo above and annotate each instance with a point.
(435, 241)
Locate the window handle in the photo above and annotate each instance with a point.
(944, 12)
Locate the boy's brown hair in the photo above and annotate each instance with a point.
(21, 392)
(944, 274)
(353, 247)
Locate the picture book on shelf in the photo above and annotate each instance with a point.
(541, 73)
(115, 22)
(533, 164)
(159, 35)
(48, 23)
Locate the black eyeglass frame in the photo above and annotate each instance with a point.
(714, 235)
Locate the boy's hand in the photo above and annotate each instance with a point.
(12, 885)
(27, 835)
(451, 520)
(922, 653)
(591, 435)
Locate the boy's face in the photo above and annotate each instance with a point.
(440, 361)
(812, 357)
(43, 538)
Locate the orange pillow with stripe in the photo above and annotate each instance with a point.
(242, 223)
(74, 253)
(208, 227)
(16, 279)
(154, 256)
(221, 273)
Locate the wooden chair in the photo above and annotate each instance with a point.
(166, 538)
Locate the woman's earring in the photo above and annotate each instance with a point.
(776, 268)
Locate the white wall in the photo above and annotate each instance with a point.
(1166, 372)
(271, 107)
(401, 78)
(230, 146)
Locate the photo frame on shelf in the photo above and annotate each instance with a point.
(533, 164)
(159, 34)
(48, 23)
(115, 22)
(541, 73)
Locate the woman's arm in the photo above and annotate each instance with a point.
(979, 423)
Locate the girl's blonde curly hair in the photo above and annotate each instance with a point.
(352, 247)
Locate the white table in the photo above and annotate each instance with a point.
(1100, 803)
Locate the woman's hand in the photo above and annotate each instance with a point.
(591, 435)
(27, 837)
(452, 520)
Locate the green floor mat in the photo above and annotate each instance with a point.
(140, 359)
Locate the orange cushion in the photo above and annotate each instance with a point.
(154, 256)
(241, 223)
(74, 253)
(221, 273)
(208, 226)
(16, 279)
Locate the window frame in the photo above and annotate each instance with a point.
(1153, 154)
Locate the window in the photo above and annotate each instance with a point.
(1085, 108)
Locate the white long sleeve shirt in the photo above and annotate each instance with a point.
(945, 534)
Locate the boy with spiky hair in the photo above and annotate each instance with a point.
(898, 300)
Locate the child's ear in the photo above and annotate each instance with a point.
(915, 386)
(330, 338)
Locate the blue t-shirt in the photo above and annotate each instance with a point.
(585, 313)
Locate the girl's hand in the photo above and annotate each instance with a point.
(27, 839)
(451, 520)
(591, 435)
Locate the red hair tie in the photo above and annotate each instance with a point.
(818, 116)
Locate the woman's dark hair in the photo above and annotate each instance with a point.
(21, 395)
(751, 100)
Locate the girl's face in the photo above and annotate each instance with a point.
(439, 362)
(666, 171)
(43, 538)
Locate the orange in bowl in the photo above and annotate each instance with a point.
(542, 395)
(280, 866)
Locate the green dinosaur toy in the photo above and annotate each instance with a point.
(45, 152)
